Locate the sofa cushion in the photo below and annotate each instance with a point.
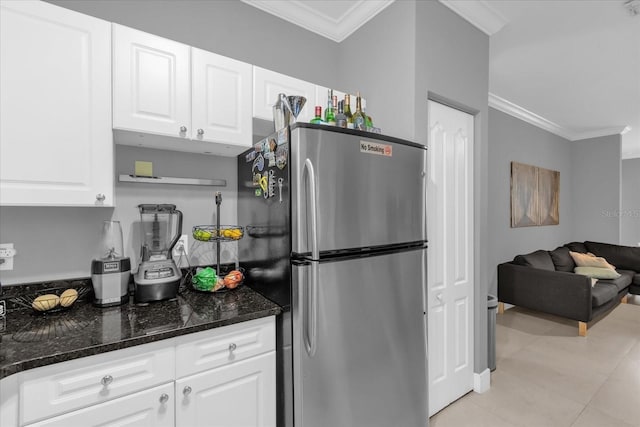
(623, 257)
(538, 259)
(598, 272)
(590, 260)
(577, 247)
(602, 293)
(622, 282)
(562, 260)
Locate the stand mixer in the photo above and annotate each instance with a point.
(158, 277)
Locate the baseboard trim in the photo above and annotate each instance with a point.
(482, 381)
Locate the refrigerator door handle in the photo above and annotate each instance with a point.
(308, 301)
(313, 200)
(311, 314)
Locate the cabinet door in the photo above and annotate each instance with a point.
(55, 107)
(268, 84)
(151, 83)
(149, 408)
(221, 100)
(241, 394)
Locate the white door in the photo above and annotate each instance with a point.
(221, 99)
(154, 407)
(268, 84)
(450, 273)
(151, 83)
(55, 107)
(242, 394)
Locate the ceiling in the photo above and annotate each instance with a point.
(569, 66)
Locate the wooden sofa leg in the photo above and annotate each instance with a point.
(500, 308)
(624, 299)
(582, 329)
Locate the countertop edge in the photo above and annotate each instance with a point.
(8, 370)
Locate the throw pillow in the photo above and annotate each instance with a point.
(590, 260)
(597, 272)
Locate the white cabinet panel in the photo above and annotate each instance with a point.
(221, 94)
(239, 395)
(55, 107)
(268, 84)
(54, 389)
(211, 349)
(151, 83)
(154, 407)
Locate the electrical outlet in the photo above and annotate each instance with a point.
(7, 252)
(182, 246)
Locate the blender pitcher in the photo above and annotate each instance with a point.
(158, 277)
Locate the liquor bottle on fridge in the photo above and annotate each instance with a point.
(359, 118)
(329, 114)
(317, 120)
(347, 111)
(341, 118)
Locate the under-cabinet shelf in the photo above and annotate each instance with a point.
(173, 180)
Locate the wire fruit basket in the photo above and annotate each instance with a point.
(213, 233)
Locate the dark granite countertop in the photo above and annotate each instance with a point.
(30, 340)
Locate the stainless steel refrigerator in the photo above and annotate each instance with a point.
(336, 234)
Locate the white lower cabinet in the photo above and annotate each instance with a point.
(239, 395)
(222, 377)
(154, 407)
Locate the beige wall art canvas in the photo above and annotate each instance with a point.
(535, 196)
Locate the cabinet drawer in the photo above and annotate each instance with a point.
(67, 386)
(218, 347)
(153, 408)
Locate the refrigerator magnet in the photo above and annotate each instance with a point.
(283, 136)
(281, 156)
(258, 163)
(250, 157)
(258, 192)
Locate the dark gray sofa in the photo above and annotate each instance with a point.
(545, 281)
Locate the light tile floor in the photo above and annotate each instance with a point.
(549, 376)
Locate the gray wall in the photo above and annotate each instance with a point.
(59, 243)
(510, 140)
(630, 211)
(595, 188)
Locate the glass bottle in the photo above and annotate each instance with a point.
(329, 114)
(347, 111)
(359, 118)
(341, 118)
(317, 120)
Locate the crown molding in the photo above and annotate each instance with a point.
(301, 14)
(479, 13)
(525, 115)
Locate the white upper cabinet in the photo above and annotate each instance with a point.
(268, 84)
(151, 83)
(221, 95)
(55, 107)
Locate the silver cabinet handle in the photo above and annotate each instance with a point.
(164, 398)
(106, 380)
(183, 129)
(232, 347)
(100, 197)
(186, 391)
(200, 131)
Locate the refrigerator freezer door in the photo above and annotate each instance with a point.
(370, 191)
(359, 342)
